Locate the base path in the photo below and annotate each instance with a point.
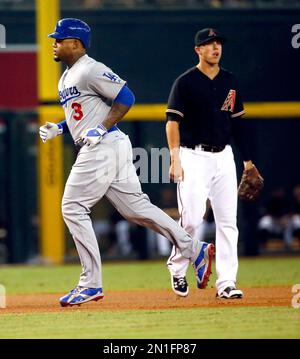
(150, 300)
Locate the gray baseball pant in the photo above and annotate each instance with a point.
(107, 169)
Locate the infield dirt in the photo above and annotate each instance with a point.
(150, 300)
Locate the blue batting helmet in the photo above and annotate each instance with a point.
(72, 29)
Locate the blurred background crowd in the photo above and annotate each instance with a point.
(138, 4)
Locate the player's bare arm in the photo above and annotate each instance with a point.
(176, 171)
(117, 112)
(121, 105)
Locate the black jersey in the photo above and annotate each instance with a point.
(205, 108)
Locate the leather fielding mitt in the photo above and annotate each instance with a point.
(251, 184)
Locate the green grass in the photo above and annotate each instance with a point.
(224, 322)
(259, 272)
(194, 323)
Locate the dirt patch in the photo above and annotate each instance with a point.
(150, 300)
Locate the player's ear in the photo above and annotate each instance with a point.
(197, 50)
(76, 44)
(79, 44)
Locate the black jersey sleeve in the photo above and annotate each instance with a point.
(241, 128)
(176, 102)
(241, 133)
(238, 106)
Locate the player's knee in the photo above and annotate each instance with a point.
(68, 209)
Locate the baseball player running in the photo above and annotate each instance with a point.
(94, 99)
(204, 111)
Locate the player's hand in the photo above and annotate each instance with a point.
(176, 172)
(49, 131)
(92, 136)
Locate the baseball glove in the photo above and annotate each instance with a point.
(251, 184)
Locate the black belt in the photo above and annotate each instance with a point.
(206, 148)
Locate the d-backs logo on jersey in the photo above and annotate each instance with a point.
(67, 94)
(229, 102)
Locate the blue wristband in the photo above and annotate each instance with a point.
(63, 127)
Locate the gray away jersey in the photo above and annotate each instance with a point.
(86, 92)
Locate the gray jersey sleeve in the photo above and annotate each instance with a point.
(104, 82)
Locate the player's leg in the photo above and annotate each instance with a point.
(136, 207)
(192, 194)
(88, 181)
(223, 198)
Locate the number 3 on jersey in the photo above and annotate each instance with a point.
(78, 112)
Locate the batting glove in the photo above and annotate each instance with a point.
(92, 136)
(49, 131)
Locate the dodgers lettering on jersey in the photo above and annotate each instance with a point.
(87, 91)
(68, 94)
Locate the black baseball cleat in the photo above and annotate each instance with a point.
(180, 286)
(230, 293)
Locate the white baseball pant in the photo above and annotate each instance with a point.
(209, 175)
